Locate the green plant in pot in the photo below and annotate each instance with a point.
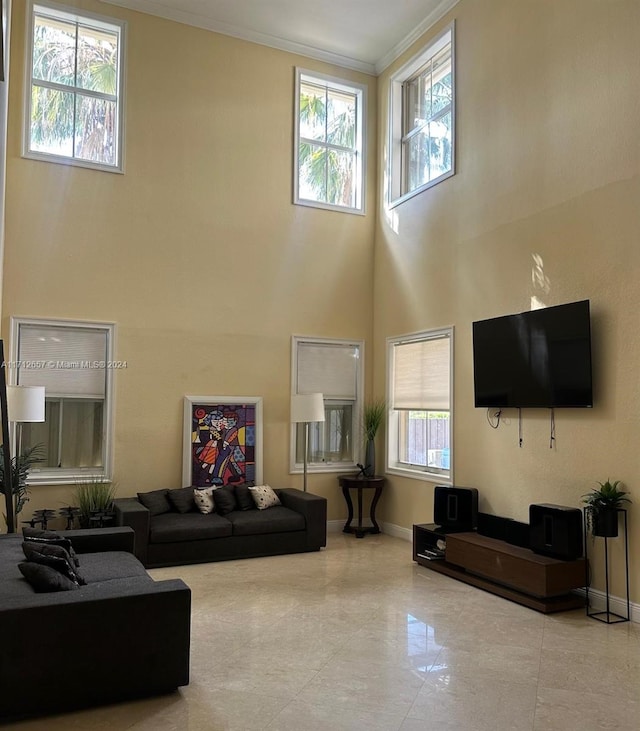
(602, 508)
(19, 472)
(373, 417)
(94, 499)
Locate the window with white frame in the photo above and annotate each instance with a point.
(74, 108)
(74, 362)
(334, 369)
(420, 368)
(329, 142)
(422, 121)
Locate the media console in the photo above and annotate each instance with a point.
(512, 572)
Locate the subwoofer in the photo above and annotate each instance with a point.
(455, 507)
(556, 531)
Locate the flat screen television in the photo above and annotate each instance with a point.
(534, 359)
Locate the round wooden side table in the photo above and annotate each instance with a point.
(349, 482)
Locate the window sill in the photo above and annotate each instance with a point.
(67, 477)
(421, 474)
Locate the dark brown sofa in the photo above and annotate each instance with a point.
(174, 538)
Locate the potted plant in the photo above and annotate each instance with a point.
(373, 416)
(19, 472)
(602, 508)
(94, 499)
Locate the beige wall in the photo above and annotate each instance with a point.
(545, 204)
(197, 252)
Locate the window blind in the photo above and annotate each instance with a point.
(328, 369)
(421, 375)
(68, 362)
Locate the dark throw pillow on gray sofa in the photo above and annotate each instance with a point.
(182, 499)
(53, 556)
(44, 578)
(244, 498)
(156, 501)
(51, 538)
(225, 500)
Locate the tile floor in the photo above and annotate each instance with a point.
(360, 637)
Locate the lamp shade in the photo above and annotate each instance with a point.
(307, 407)
(25, 403)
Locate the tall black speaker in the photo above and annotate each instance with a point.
(455, 507)
(556, 531)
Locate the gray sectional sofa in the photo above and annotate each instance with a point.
(172, 538)
(120, 636)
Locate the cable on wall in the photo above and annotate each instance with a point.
(520, 427)
(494, 418)
(552, 434)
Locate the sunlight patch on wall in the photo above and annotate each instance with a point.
(540, 282)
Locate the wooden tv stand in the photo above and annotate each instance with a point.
(515, 573)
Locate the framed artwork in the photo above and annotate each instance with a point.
(222, 440)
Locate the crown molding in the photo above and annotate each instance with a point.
(441, 9)
(150, 7)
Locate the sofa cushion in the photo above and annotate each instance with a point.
(275, 520)
(56, 557)
(156, 501)
(173, 527)
(243, 498)
(225, 500)
(108, 565)
(182, 499)
(203, 497)
(44, 579)
(264, 496)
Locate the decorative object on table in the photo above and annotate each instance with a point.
(94, 497)
(222, 443)
(70, 513)
(306, 408)
(372, 420)
(602, 506)
(42, 517)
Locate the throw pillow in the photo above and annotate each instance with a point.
(203, 497)
(264, 497)
(36, 535)
(243, 498)
(44, 578)
(54, 556)
(155, 502)
(182, 499)
(225, 500)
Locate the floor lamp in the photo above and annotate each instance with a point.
(24, 404)
(305, 409)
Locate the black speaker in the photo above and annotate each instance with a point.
(455, 507)
(555, 530)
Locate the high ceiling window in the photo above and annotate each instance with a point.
(329, 143)
(74, 110)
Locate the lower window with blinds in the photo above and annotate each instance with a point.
(71, 360)
(420, 374)
(334, 369)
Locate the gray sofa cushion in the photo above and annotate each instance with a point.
(110, 565)
(174, 527)
(272, 520)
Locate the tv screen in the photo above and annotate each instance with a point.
(540, 358)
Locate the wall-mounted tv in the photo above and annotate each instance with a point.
(534, 359)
